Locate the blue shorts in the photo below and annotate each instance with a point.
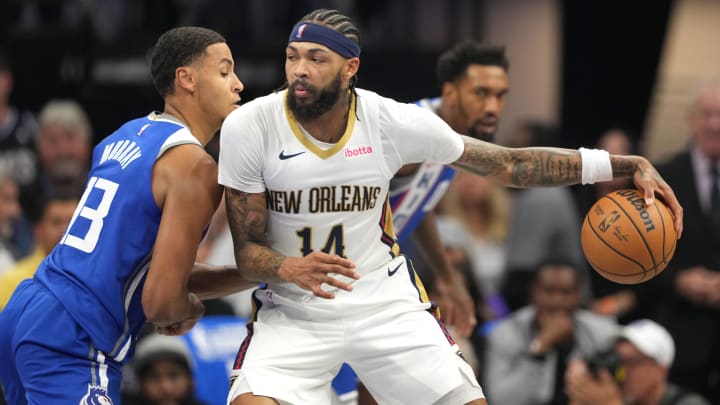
(47, 358)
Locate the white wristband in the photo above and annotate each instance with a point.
(596, 166)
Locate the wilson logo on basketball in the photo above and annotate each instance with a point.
(639, 204)
(360, 150)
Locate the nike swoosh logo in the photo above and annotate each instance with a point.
(283, 156)
(393, 271)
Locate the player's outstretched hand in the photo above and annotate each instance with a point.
(197, 310)
(648, 180)
(318, 268)
(177, 329)
(456, 305)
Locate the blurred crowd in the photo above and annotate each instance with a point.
(550, 330)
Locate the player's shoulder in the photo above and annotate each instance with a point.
(387, 107)
(370, 97)
(152, 123)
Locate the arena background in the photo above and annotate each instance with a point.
(583, 66)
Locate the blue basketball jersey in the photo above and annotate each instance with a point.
(98, 269)
(412, 197)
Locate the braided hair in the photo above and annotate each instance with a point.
(339, 22)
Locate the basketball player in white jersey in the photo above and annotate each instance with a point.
(306, 173)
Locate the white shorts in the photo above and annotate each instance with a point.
(398, 348)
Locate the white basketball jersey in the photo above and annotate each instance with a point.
(330, 197)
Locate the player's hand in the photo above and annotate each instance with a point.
(456, 305)
(648, 180)
(197, 310)
(179, 328)
(318, 268)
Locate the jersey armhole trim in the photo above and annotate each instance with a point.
(180, 137)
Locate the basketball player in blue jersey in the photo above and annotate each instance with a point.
(474, 81)
(127, 256)
(306, 173)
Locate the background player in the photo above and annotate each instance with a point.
(474, 81)
(128, 252)
(307, 173)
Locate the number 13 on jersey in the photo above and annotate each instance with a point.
(87, 242)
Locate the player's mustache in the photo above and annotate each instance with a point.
(304, 84)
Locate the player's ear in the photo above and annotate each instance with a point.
(351, 68)
(185, 78)
(449, 93)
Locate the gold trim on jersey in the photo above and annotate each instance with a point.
(322, 153)
(388, 232)
(422, 292)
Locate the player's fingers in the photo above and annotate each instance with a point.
(447, 312)
(649, 192)
(462, 327)
(319, 292)
(677, 209)
(470, 322)
(463, 317)
(335, 259)
(345, 271)
(337, 283)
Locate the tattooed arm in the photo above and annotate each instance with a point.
(531, 167)
(257, 261)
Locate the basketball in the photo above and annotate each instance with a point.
(627, 241)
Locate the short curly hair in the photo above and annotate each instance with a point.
(453, 63)
(178, 47)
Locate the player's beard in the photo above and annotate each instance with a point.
(475, 132)
(325, 99)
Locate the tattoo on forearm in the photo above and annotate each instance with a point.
(246, 215)
(545, 167)
(623, 166)
(523, 167)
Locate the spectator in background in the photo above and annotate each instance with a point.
(483, 209)
(64, 147)
(543, 224)
(164, 370)
(49, 228)
(10, 212)
(18, 130)
(687, 300)
(610, 298)
(645, 352)
(527, 353)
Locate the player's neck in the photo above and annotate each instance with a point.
(202, 130)
(330, 126)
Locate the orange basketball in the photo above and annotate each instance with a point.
(627, 241)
